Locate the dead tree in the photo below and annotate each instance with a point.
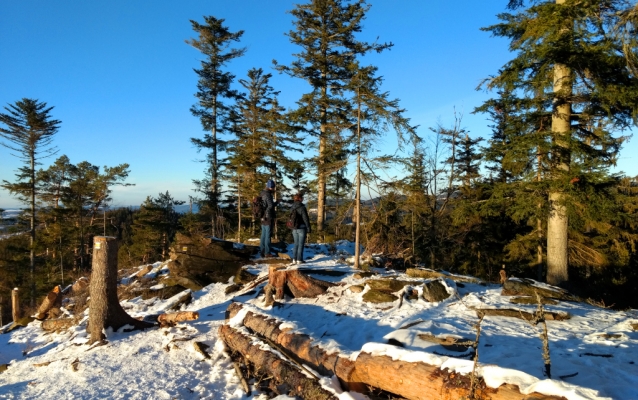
(104, 308)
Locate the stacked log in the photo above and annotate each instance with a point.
(411, 380)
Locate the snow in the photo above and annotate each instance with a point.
(595, 352)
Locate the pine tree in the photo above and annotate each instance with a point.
(567, 60)
(213, 86)
(325, 30)
(29, 132)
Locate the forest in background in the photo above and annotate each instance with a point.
(536, 196)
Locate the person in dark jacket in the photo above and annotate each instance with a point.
(268, 220)
(299, 233)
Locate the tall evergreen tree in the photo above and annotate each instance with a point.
(213, 87)
(29, 130)
(325, 30)
(567, 59)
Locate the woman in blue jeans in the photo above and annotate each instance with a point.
(299, 232)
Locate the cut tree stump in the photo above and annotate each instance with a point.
(57, 324)
(105, 309)
(173, 318)
(294, 282)
(413, 381)
(288, 380)
(53, 299)
(529, 287)
(528, 316)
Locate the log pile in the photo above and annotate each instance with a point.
(294, 283)
(410, 380)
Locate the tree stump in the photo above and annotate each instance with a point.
(15, 304)
(105, 309)
(54, 298)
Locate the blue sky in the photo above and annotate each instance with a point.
(121, 76)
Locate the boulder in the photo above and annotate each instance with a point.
(356, 288)
(435, 291)
(387, 285)
(377, 296)
(529, 287)
(197, 261)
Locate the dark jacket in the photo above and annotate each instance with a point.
(269, 213)
(300, 209)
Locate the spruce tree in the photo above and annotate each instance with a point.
(325, 30)
(213, 87)
(28, 131)
(567, 60)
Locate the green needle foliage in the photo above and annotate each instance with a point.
(28, 131)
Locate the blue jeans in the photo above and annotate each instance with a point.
(264, 241)
(299, 235)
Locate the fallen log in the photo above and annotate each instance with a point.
(448, 342)
(421, 381)
(145, 270)
(529, 287)
(532, 300)
(54, 298)
(51, 325)
(297, 283)
(431, 274)
(288, 380)
(173, 318)
(528, 316)
(411, 380)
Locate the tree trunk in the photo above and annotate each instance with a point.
(104, 308)
(357, 222)
(557, 222)
(32, 230)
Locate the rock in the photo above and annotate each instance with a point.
(183, 282)
(435, 291)
(284, 256)
(362, 275)
(198, 261)
(529, 287)
(377, 296)
(167, 292)
(243, 276)
(356, 288)
(3, 367)
(387, 285)
(431, 274)
(24, 321)
(232, 288)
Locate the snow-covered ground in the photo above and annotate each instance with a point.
(593, 354)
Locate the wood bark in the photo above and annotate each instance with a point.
(557, 222)
(15, 304)
(53, 298)
(414, 380)
(57, 324)
(105, 309)
(296, 283)
(173, 318)
(528, 316)
(288, 380)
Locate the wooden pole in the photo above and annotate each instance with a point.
(15, 304)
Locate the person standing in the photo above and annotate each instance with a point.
(301, 230)
(268, 220)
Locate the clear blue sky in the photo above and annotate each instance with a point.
(121, 77)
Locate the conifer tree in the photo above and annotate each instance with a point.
(567, 59)
(213, 87)
(375, 114)
(325, 30)
(28, 130)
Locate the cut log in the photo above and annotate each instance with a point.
(409, 380)
(420, 381)
(145, 270)
(80, 285)
(105, 309)
(54, 298)
(528, 316)
(431, 274)
(173, 318)
(529, 287)
(288, 380)
(57, 324)
(294, 282)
